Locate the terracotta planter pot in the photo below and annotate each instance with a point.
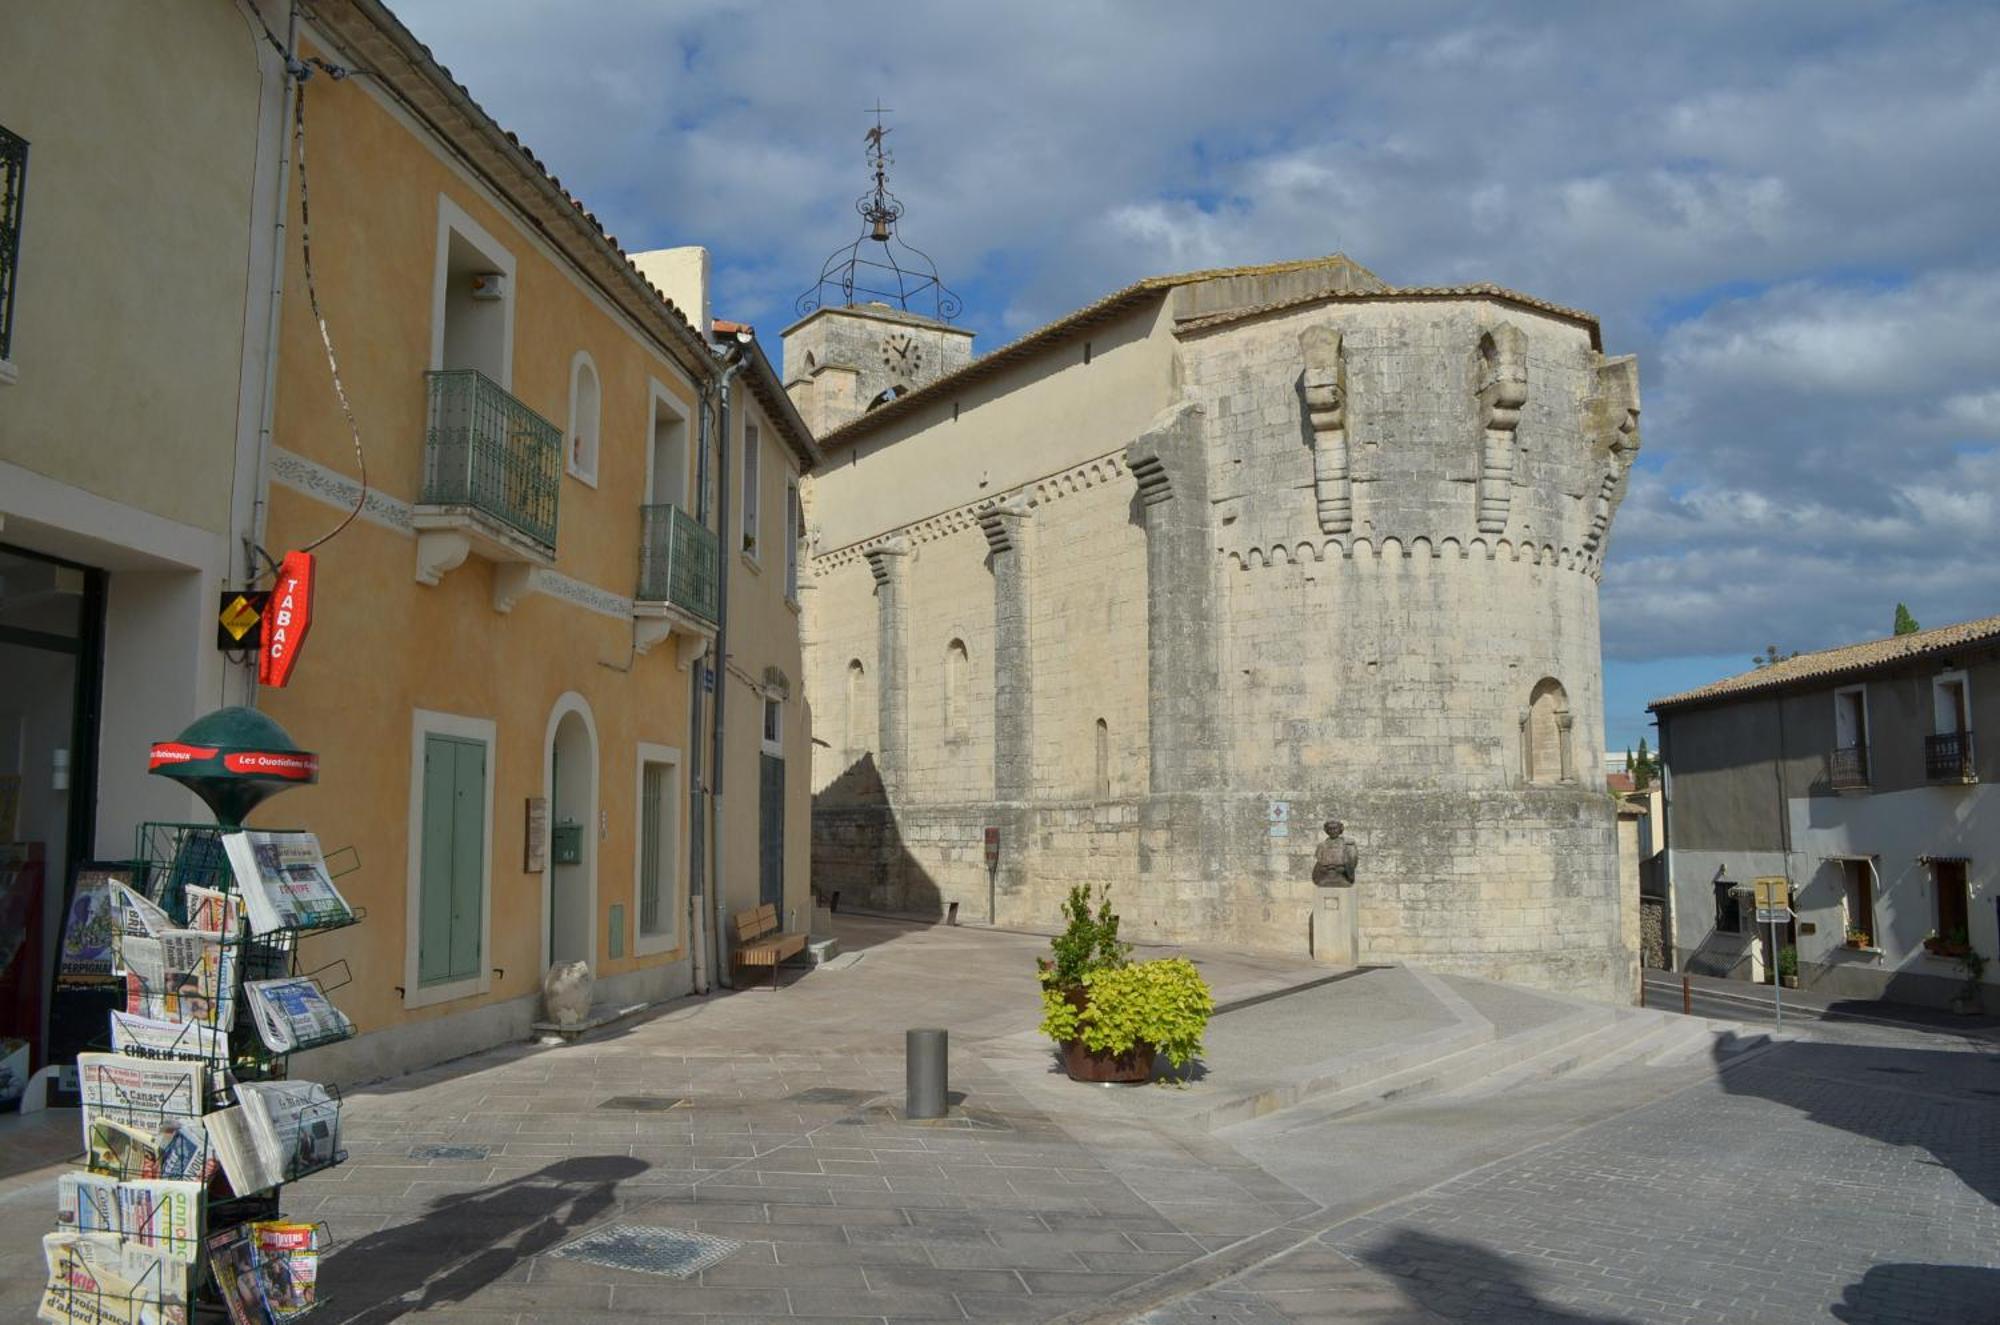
(1134, 1065)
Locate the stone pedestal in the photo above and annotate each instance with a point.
(1336, 926)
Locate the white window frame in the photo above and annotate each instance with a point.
(749, 505)
(582, 473)
(794, 529)
(1938, 683)
(423, 723)
(764, 741)
(1861, 690)
(452, 217)
(674, 904)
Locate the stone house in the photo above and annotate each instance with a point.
(1853, 773)
(1144, 596)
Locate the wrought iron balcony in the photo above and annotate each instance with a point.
(677, 562)
(488, 454)
(1948, 757)
(13, 188)
(1848, 767)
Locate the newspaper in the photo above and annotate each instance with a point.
(297, 1120)
(155, 1037)
(87, 1203)
(132, 916)
(162, 1215)
(180, 1149)
(214, 912)
(284, 882)
(288, 1263)
(96, 1279)
(181, 975)
(293, 1012)
(250, 1166)
(140, 1092)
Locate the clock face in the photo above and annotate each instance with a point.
(901, 354)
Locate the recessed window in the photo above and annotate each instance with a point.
(752, 468)
(1103, 784)
(1860, 902)
(1545, 734)
(1953, 900)
(955, 663)
(1849, 765)
(774, 726)
(472, 299)
(585, 405)
(1728, 908)
(857, 692)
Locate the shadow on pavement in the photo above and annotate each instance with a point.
(1896, 1293)
(1465, 1281)
(416, 1266)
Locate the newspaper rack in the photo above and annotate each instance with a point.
(147, 1214)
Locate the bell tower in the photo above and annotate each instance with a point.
(877, 323)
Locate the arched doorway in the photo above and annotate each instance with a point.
(569, 898)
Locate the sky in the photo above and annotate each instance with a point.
(1787, 210)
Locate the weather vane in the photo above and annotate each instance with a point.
(881, 276)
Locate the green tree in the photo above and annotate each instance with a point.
(1905, 623)
(1643, 767)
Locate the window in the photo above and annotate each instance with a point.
(1948, 750)
(1849, 767)
(1103, 760)
(1860, 902)
(1728, 908)
(450, 867)
(13, 189)
(1954, 905)
(794, 530)
(857, 675)
(1545, 734)
(658, 901)
(774, 726)
(752, 448)
(955, 663)
(472, 300)
(667, 466)
(584, 406)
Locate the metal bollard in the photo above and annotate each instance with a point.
(1687, 998)
(925, 1062)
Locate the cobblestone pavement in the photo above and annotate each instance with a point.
(1823, 1180)
(1848, 1179)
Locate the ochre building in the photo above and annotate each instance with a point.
(1145, 596)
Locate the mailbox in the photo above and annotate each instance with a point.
(566, 843)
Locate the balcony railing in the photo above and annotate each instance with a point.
(1848, 767)
(13, 188)
(1948, 757)
(488, 452)
(677, 561)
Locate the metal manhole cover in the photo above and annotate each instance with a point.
(830, 1095)
(448, 1152)
(643, 1103)
(649, 1249)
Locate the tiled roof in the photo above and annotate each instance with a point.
(1481, 290)
(1110, 306)
(1842, 661)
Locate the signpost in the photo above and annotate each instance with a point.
(1774, 908)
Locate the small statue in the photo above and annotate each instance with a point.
(1334, 862)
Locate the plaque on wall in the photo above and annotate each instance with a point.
(535, 853)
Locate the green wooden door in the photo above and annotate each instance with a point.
(453, 860)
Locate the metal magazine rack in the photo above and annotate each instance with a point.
(192, 1123)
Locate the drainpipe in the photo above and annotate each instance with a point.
(697, 766)
(733, 362)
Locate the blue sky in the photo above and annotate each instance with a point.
(1785, 209)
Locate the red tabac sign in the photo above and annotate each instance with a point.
(287, 618)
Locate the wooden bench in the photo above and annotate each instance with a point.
(759, 941)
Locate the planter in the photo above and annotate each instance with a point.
(1135, 1065)
(1943, 948)
(1791, 981)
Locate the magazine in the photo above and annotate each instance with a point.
(284, 882)
(154, 1037)
(142, 1093)
(293, 1012)
(232, 1263)
(288, 1262)
(87, 955)
(95, 1279)
(87, 1203)
(163, 1215)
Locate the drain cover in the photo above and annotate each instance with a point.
(649, 1249)
(448, 1152)
(829, 1095)
(643, 1103)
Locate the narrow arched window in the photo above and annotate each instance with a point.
(1103, 760)
(1545, 734)
(857, 691)
(585, 398)
(954, 688)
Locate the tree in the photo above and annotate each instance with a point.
(1905, 623)
(1643, 768)
(1770, 656)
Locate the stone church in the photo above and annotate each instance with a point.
(1145, 596)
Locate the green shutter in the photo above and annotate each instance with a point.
(652, 804)
(453, 861)
(468, 858)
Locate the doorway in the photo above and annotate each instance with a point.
(571, 901)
